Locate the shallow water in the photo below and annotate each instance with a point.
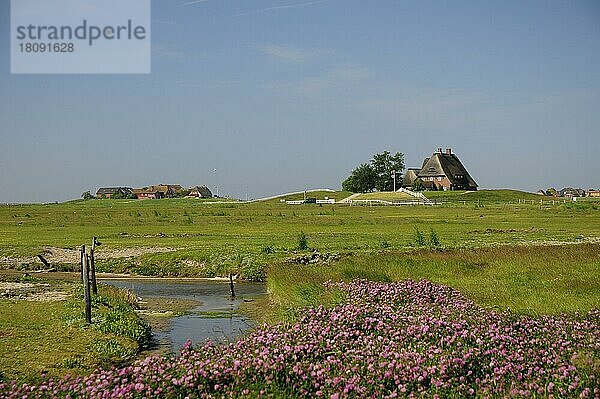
(216, 319)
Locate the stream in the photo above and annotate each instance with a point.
(216, 319)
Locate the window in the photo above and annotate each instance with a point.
(439, 178)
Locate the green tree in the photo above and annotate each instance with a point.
(418, 185)
(361, 180)
(384, 164)
(87, 196)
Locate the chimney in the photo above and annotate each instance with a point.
(448, 151)
(440, 150)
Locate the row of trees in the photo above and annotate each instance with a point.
(377, 174)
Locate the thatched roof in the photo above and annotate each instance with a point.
(201, 191)
(447, 164)
(410, 176)
(114, 190)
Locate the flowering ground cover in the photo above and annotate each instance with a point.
(404, 339)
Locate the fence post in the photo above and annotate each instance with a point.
(231, 286)
(86, 288)
(93, 268)
(81, 256)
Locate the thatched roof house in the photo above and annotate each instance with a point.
(442, 171)
(200, 192)
(108, 192)
(147, 193)
(410, 176)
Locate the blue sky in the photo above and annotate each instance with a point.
(286, 95)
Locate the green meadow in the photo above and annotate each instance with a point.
(186, 237)
(502, 248)
(52, 337)
(525, 279)
(204, 238)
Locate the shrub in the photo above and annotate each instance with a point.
(434, 241)
(302, 241)
(419, 239)
(87, 196)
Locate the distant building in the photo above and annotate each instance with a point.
(166, 190)
(200, 192)
(108, 192)
(593, 193)
(571, 192)
(410, 176)
(147, 193)
(441, 171)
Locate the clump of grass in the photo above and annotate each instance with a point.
(434, 241)
(268, 250)
(124, 324)
(113, 349)
(71, 363)
(419, 239)
(302, 241)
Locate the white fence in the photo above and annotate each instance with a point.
(371, 202)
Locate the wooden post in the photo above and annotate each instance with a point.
(81, 256)
(44, 261)
(231, 286)
(86, 288)
(93, 268)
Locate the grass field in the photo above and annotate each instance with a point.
(318, 194)
(386, 196)
(51, 337)
(205, 238)
(527, 279)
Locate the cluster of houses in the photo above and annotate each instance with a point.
(154, 192)
(441, 171)
(570, 192)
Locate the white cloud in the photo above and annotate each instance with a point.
(289, 53)
(337, 76)
(166, 51)
(445, 110)
(222, 84)
(191, 3)
(282, 7)
(350, 72)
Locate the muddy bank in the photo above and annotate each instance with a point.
(71, 255)
(33, 291)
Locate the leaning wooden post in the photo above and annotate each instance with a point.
(231, 286)
(86, 288)
(93, 268)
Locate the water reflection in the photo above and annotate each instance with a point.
(216, 319)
